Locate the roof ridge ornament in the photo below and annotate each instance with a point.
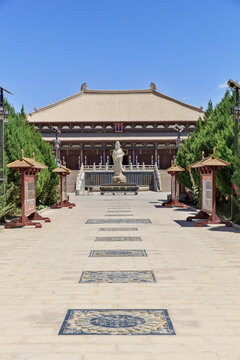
(153, 86)
(214, 153)
(84, 87)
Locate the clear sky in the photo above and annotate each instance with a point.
(189, 48)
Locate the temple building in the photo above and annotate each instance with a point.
(90, 122)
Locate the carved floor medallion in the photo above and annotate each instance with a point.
(117, 253)
(117, 322)
(119, 238)
(119, 229)
(118, 221)
(117, 277)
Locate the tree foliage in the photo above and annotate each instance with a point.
(215, 130)
(19, 134)
(236, 184)
(6, 205)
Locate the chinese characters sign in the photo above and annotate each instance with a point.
(29, 194)
(119, 127)
(207, 193)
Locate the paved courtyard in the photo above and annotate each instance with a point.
(119, 277)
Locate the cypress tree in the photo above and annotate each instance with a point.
(19, 134)
(216, 130)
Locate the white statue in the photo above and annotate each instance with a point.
(117, 155)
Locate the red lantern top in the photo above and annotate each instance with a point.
(174, 168)
(27, 164)
(206, 165)
(62, 170)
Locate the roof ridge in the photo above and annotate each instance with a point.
(200, 109)
(84, 90)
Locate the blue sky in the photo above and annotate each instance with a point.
(189, 48)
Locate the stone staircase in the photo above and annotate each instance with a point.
(165, 181)
(96, 178)
(71, 181)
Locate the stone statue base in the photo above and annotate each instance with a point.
(119, 179)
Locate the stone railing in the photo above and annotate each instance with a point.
(80, 182)
(158, 184)
(130, 167)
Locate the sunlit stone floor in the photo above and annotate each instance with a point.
(197, 272)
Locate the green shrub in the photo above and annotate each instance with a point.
(6, 206)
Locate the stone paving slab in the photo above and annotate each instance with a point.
(197, 272)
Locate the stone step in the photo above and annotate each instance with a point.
(71, 181)
(165, 181)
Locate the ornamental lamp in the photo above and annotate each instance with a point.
(6, 115)
(236, 113)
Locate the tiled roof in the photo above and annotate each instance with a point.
(116, 106)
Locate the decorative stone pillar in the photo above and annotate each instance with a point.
(81, 156)
(104, 156)
(156, 154)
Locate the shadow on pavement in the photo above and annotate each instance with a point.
(189, 210)
(184, 223)
(224, 228)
